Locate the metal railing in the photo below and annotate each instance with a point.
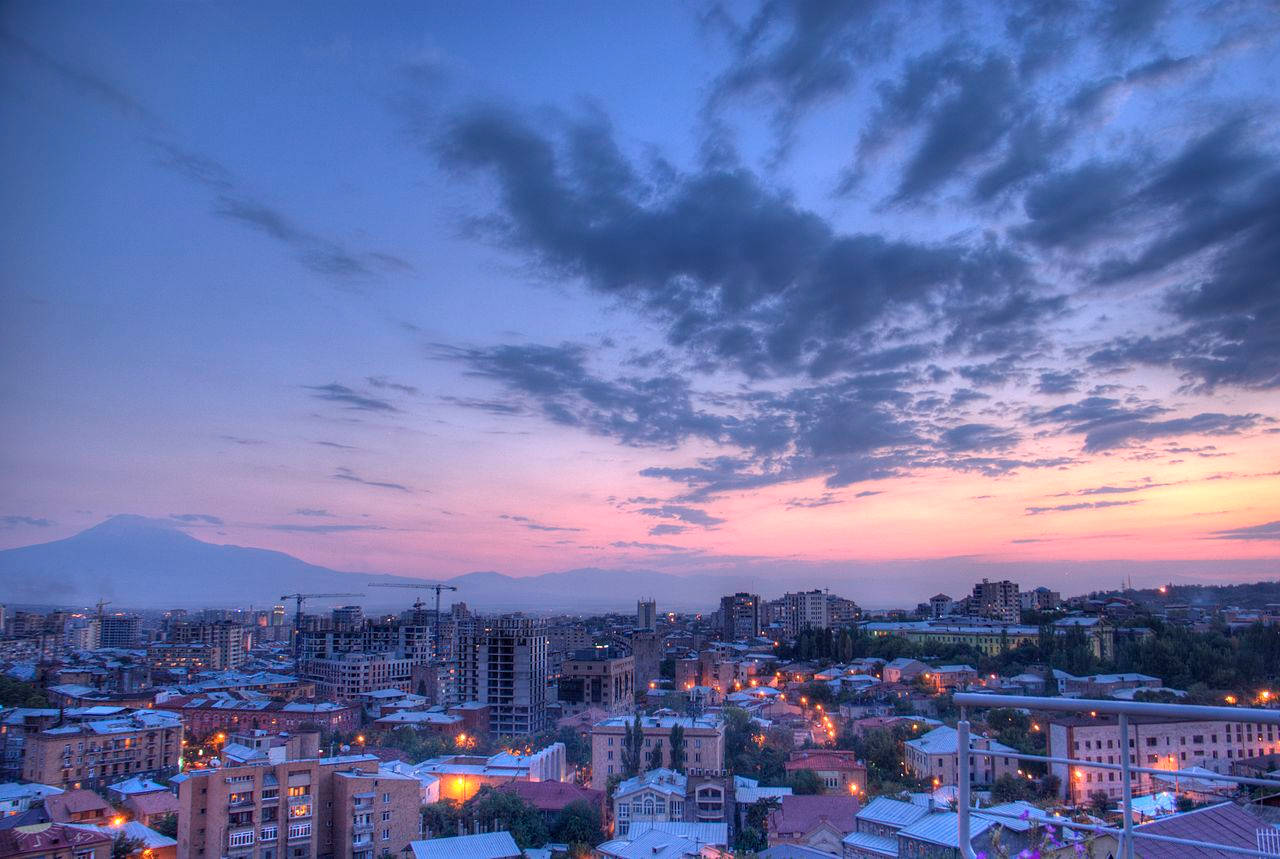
(1122, 710)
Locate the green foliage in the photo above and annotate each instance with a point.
(493, 810)
(881, 750)
(16, 693)
(1100, 803)
(677, 748)
(633, 748)
(579, 826)
(167, 825)
(123, 846)
(576, 747)
(805, 782)
(1009, 788)
(750, 840)
(750, 751)
(418, 747)
(655, 757)
(440, 819)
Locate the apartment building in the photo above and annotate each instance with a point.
(996, 600)
(804, 610)
(502, 662)
(703, 744)
(225, 636)
(602, 677)
(460, 777)
(740, 616)
(274, 808)
(1159, 744)
(935, 758)
(192, 657)
(208, 714)
(100, 751)
(118, 630)
(346, 676)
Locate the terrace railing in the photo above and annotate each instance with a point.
(1123, 710)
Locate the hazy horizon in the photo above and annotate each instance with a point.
(779, 290)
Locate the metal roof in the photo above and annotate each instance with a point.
(488, 845)
(943, 827)
(891, 812)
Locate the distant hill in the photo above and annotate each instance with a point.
(137, 562)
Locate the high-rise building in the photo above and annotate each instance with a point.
(226, 636)
(805, 610)
(348, 618)
(740, 616)
(996, 600)
(647, 615)
(118, 630)
(277, 615)
(502, 662)
(646, 648)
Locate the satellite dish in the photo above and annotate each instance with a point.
(344, 748)
(214, 763)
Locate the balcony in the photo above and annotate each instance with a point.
(1264, 843)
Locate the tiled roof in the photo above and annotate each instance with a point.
(800, 814)
(47, 838)
(552, 795)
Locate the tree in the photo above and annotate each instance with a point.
(167, 825)
(123, 846)
(1010, 788)
(805, 782)
(655, 756)
(1100, 802)
(493, 810)
(15, 693)
(677, 747)
(576, 747)
(578, 825)
(633, 748)
(440, 819)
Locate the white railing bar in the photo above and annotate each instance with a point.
(1111, 830)
(1098, 765)
(1184, 712)
(962, 799)
(1126, 785)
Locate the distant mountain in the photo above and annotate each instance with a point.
(137, 562)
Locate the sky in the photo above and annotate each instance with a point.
(812, 287)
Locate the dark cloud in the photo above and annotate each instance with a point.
(321, 529)
(351, 399)
(1059, 382)
(242, 441)
(25, 521)
(691, 515)
(83, 81)
(388, 384)
(1079, 505)
(656, 547)
(311, 511)
(665, 529)
(963, 103)
(734, 269)
(526, 522)
(1120, 434)
(981, 437)
(336, 445)
(193, 518)
(1265, 531)
(797, 55)
(1118, 490)
(826, 499)
(351, 477)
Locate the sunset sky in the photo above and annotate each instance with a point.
(434, 288)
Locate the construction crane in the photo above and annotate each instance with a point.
(425, 586)
(297, 617)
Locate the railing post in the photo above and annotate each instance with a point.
(962, 776)
(1126, 783)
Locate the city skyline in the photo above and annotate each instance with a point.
(802, 290)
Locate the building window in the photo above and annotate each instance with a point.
(299, 830)
(270, 833)
(386, 835)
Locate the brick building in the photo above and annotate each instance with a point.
(208, 714)
(703, 744)
(98, 752)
